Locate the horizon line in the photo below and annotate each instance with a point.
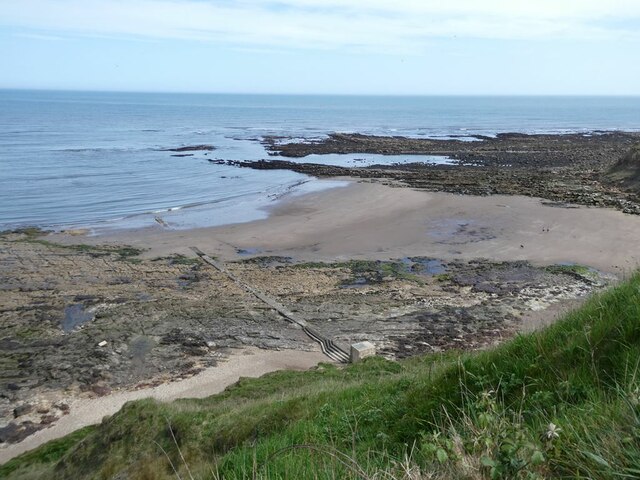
(324, 94)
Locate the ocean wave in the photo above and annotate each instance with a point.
(19, 132)
(114, 171)
(104, 149)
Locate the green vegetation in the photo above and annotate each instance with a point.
(563, 402)
(626, 171)
(34, 235)
(368, 271)
(30, 232)
(443, 277)
(574, 270)
(122, 252)
(266, 260)
(36, 461)
(178, 259)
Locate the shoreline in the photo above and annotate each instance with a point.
(561, 167)
(213, 213)
(371, 220)
(248, 362)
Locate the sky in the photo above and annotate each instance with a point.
(382, 47)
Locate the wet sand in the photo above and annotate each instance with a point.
(375, 221)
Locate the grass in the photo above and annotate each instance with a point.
(49, 453)
(563, 402)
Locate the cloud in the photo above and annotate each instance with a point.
(374, 25)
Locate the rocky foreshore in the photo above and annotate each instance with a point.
(81, 321)
(569, 168)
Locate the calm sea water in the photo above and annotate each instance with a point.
(94, 159)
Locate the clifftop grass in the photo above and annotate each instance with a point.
(563, 402)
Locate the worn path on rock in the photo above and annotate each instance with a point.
(328, 346)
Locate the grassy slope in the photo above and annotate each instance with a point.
(479, 415)
(626, 171)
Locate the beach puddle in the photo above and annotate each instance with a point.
(75, 316)
(268, 260)
(573, 268)
(248, 251)
(377, 272)
(578, 266)
(459, 231)
(424, 266)
(359, 160)
(357, 283)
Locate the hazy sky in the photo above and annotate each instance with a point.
(323, 46)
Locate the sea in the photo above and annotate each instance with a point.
(101, 160)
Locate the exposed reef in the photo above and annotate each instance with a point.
(564, 169)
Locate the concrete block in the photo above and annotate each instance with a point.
(362, 350)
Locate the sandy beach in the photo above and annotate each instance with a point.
(376, 221)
